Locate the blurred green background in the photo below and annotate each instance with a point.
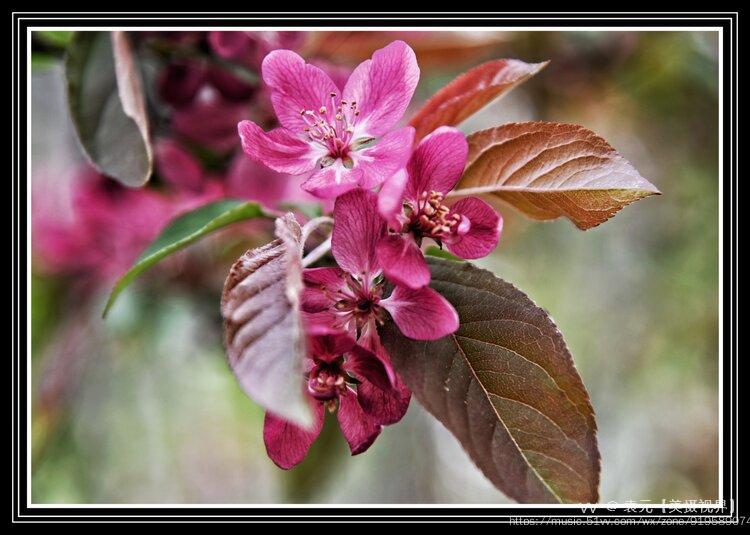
(149, 411)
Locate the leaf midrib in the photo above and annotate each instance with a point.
(499, 419)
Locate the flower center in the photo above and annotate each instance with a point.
(432, 219)
(358, 303)
(331, 126)
(327, 380)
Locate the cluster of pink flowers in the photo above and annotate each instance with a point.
(338, 142)
(389, 197)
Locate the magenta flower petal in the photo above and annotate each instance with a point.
(295, 86)
(382, 88)
(277, 149)
(286, 443)
(366, 366)
(328, 277)
(356, 232)
(390, 197)
(402, 261)
(320, 284)
(485, 225)
(320, 323)
(359, 429)
(330, 346)
(385, 406)
(339, 74)
(332, 181)
(389, 154)
(437, 162)
(421, 314)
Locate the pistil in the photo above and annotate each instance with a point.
(331, 126)
(357, 304)
(326, 381)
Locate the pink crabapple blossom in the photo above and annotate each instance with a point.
(344, 139)
(351, 297)
(337, 371)
(413, 201)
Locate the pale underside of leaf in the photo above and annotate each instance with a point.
(129, 86)
(505, 385)
(470, 92)
(263, 332)
(551, 170)
(107, 106)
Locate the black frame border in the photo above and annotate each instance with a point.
(21, 512)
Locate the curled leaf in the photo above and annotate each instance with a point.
(550, 170)
(505, 385)
(470, 92)
(262, 324)
(107, 105)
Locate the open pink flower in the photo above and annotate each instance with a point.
(413, 203)
(345, 139)
(341, 373)
(351, 297)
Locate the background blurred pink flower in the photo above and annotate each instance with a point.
(251, 47)
(250, 180)
(109, 227)
(210, 120)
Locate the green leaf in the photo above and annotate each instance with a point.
(505, 385)
(59, 39)
(183, 231)
(108, 107)
(437, 252)
(41, 60)
(310, 209)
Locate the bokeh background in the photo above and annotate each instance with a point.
(142, 408)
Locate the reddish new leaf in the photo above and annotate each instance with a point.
(470, 92)
(263, 333)
(549, 170)
(433, 49)
(505, 385)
